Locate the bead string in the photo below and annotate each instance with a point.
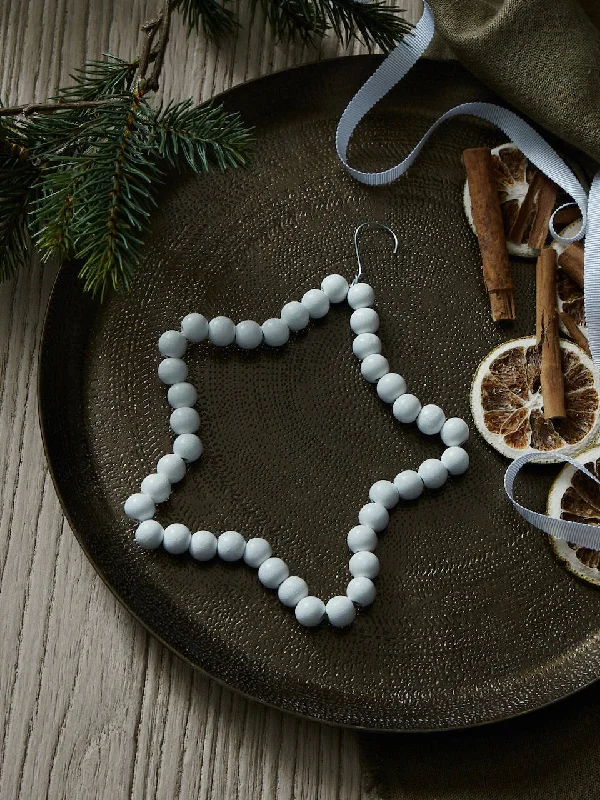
(384, 495)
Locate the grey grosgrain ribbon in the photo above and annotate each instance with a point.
(539, 152)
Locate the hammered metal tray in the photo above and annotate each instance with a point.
(475, 620)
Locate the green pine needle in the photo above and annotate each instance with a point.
(198, 136)
(374, 23)
(17, 178)
(52, 213)
(99, 79)
(113, 200)
(216, 21)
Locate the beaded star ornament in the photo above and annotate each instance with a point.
(384, 495)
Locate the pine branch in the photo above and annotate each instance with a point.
(374, 23)
(81, 172)
(51, 213)
(17, 178)
(98, 80)
(216, 21)
(113, 202)
(27, 109)
(196, 136)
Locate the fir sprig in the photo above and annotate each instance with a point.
(198, 136)
(79, 174)
(374, 23)
(113, 201)
(18, 176)
(216, 20)
(99, 79)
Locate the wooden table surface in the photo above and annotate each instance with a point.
(91, 706)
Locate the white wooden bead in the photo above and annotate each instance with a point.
(273, 572)
(184, 420)
(409, 484)
(275, 331)
(362, 537)
(361, 591)
(317, 303)
(455, 432)
(172, 343)
(188, 446)
(295, 315)
(172, 467)
(172, 370)
(156, 486)
(456, 460)
(194, 327)
(365, 344)
(310, 611)
(292, 590)
(374, 367)
(340, 611)
(176, 538)
(364, 565)
(361, 295)
(374, 515)
(139, 506)
(221, 331)
(430, 419)
(364, 320)
(257, 551)
(203, 545)
(384, 492)
(390, 387)
(433, 473)
(335, 287)
(406, 408)
(182, 395)
(149, 534)
(248, 334)
(231, 546)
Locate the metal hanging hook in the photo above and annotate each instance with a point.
(357, 231)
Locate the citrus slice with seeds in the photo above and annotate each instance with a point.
(569, 294)
(576, 497)
(508, 407)
(513, 174)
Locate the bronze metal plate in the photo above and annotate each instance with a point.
(475, 620)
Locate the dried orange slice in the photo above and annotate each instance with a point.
(576, 497)
(507, 403)
(569, 294)
(513, 175)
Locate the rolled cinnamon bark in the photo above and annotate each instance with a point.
(571, 260)
(489, 226)
(574, 332)
(547, 333)
(546, 200)
(526, 211)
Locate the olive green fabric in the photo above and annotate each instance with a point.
(542, 56)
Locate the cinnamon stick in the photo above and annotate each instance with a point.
(547, 334)
(526, 211)
(566, 216)
(546, 200)
(487, 218)
(571, 260)
(574, 332)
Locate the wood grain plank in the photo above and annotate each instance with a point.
(90, 705)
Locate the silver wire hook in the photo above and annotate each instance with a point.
(356, 232)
